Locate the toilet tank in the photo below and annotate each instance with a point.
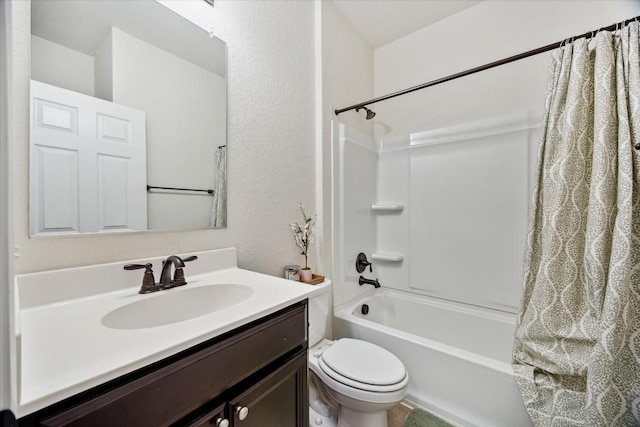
(319, 306)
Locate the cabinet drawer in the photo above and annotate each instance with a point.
(175, 390)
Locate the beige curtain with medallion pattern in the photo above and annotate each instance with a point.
(577, 345)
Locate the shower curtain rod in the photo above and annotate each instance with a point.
(486, 66)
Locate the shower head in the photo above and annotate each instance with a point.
(370, 114)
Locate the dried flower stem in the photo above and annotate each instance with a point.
(304, 234)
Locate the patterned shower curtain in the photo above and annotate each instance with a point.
(577, 345)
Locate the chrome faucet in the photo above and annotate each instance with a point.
(364, 281)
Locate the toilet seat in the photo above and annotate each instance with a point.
(363, 365)
(360, 385)
(359, 390)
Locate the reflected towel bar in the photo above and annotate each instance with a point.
(152, 187)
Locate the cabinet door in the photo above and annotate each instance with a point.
(278, 400)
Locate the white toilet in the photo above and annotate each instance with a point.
(352, 380)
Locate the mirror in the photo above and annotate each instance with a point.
(128, 119)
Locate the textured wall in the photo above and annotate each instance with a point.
(270, 137)
(6, 295)
(487, 32)
(271, 126)
(488, 238)
(181, 142)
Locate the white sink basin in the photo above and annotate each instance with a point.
(176, 305)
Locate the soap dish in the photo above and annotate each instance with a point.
(315, 279)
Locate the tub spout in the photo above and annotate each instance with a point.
(364, 281)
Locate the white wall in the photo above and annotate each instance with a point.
(393, 230)
(270, 143)
(270, 139)
(347, 77)
(185, 108)
(484, 240)
(6, 233)
(487, 32)
(103, 69)
(60, 66)
(355, 167)
(347, 69)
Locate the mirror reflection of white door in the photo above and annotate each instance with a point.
(88, 164)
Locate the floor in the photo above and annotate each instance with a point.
(397, 415)
(403, 415)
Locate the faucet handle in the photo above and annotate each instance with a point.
(148, 281)
(178, 278)
(135, 266)
(178, 275)
(362, 263)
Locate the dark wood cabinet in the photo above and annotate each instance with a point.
(255, 375)
(219, 417)
(279, 399)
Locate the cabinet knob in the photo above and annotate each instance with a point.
(242, 412)
(222, 422)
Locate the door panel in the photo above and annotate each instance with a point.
(110, 163)
(112, 192)
(58, 180)
(57, 117)
(113, 129)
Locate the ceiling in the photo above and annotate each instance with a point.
(383, 21)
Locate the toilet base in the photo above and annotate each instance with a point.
(318, 420)
(351, 418)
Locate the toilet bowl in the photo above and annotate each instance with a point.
(360, 379)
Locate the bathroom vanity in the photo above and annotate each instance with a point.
(254, 375)
(241, 365)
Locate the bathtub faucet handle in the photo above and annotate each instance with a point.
(362, 263)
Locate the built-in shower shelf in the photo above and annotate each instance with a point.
(387, 208)
(387, 256)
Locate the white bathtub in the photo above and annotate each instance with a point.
(458, 356)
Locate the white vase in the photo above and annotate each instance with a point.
(305, 274)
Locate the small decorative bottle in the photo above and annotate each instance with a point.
(292, 272)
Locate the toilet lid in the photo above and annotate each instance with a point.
(364, 362)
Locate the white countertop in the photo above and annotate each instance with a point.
(65, 349)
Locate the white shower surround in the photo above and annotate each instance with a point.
(457, 356)
(438, 50)
(465, 191)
